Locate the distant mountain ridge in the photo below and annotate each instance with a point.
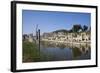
(61, 30)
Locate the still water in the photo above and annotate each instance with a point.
(59, 52)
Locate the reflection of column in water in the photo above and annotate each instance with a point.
(76, 52)
(84, 48)
(80, 49)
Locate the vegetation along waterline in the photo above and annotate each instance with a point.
(31, 53)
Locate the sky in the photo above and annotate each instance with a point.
(49, 21)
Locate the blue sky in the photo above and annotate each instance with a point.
(49, 21)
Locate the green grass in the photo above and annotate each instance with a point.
(31, 53)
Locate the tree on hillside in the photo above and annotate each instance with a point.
(76, 28)
(85, 28)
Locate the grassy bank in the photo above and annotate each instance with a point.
(31, 53)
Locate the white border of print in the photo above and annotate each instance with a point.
(37, 65)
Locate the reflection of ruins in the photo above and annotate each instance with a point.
(78, 51)
(83, 48)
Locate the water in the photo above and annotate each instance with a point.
(61, 51)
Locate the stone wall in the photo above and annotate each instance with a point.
(68, 37)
